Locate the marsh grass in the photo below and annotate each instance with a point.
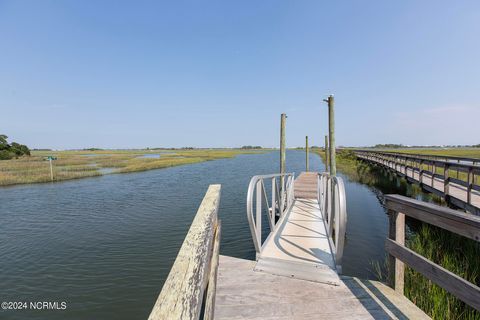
(456, 254)
(81, 164)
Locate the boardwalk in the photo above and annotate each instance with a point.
(465, 195)
(295, 276)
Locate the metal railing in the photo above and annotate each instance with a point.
(333, 206)
(281, 188)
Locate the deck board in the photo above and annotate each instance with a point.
(243, 293)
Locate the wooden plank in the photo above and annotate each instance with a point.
(305, 186)
(464, 224)
(212, 281)
(459, 287)
(245, 294)
(182, 293)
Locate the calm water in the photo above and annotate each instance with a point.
(105, 245)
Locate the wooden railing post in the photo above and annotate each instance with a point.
(396, 267)
(445, 180)
(434, 172)
(420, 174)
(470, 185)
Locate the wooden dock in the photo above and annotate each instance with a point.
(243, 293)
(463, 193)
(297, 273)
(295, 276)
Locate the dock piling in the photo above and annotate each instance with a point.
(306, 153)
(283, 120)
(331, 135)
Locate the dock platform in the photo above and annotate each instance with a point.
(243, 293)
(295, 275)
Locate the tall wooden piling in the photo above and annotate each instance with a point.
(283, 120)
(306, 153)
(331, 135)
(327, 154)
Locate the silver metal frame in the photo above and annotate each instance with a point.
(281, 202)
(333, 206)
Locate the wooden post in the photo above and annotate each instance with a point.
(51, 169)
(327, 154)
(396, 267)
(331, 135)
(306, 153)
(470, 185)
(283, 119)
(445, 181)
(420, 173)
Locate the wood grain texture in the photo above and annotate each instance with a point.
(182, 294)
(243, 293)
(305, 186)
(212, 281)
(464, 224)
(459, 287)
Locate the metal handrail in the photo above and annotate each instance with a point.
(333, 206)
(281, 201)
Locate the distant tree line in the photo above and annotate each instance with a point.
(251, 147)
(11, 150)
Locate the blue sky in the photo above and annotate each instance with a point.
(119, 74)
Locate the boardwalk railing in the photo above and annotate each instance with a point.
(454, 178)
(452, 159)
(332, 201)
(457, 222)
(280, 187)
(194, 272)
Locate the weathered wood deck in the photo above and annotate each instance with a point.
(295, 275)
(243, 293)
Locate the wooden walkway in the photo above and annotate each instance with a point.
(457, 192)
(295, 275)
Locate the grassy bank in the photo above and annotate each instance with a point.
(453, 252)
(81, 164)
(451, 152)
